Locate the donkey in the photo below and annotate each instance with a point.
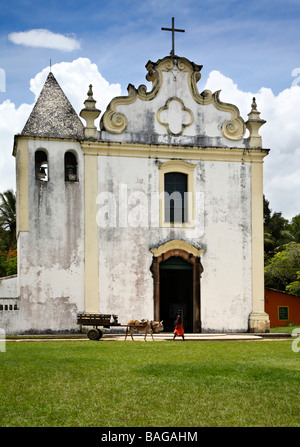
(144, 325)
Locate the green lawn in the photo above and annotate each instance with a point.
(284, 329)
(149, 384)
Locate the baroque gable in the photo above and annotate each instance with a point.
(173, 111)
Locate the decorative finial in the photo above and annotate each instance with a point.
(253, 105)
(253, 124)
(90, 92)
(89, 114)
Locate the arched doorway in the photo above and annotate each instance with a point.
(176, 292)
(176, 270)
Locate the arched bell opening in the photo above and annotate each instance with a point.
(41, 165)
(71, 174)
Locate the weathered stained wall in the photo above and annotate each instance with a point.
(226, 280)
(173, 112)
(51, 252)
(223, 230)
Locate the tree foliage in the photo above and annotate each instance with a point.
(8, 263)
(276, 230)
(8, 244)
(294, 228)
(284, 268)
(294, 287)
(282, 251)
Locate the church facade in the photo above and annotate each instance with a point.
(160, 208)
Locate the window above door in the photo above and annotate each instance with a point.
(176, 194)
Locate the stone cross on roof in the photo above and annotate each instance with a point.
(173, 29)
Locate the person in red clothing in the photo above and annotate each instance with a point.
(178, 326)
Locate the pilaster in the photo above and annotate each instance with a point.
(258, 319)
(91, 269)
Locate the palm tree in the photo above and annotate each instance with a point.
(8, 216)
(294, 228)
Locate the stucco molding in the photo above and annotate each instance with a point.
(188, 113)
(176, 245)
(113, 121)
(233, 129)
(197, 153)
(168, 166)
(116, 122)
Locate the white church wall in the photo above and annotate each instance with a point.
(126, 283)
(226, 295)
(52, 251)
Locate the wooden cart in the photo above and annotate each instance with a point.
(95, 320)
(103, 320)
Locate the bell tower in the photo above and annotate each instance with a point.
(50, 179)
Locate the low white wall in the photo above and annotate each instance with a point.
(9, 304)
(9, 287)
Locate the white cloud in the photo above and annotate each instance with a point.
(229, 92)
(44, 38)
(74, 78)
(12, 120)
(280, 134)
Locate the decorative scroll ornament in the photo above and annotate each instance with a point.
(116, 122)
(233, 129)
(113, 121)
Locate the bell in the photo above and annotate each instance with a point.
(42, 173)
(71, 173)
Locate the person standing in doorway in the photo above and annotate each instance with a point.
(178, 326)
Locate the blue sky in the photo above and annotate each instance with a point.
(256, 44)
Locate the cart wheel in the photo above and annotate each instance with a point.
(93, 334)
(100, 333)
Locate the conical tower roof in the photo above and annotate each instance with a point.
(53, 115)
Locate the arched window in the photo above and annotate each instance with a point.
(176, 206)
(70, 167)
(41, 166)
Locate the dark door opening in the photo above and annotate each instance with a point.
(176, 292)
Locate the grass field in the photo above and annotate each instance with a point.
(149, 384)
(286, 329)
